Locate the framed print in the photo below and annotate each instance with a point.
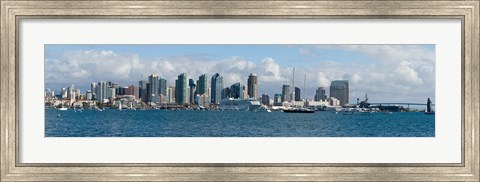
(239, 91)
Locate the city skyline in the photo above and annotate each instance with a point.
(410, 67)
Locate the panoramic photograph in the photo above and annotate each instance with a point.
(239, 90)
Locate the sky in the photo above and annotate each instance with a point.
(387, 73)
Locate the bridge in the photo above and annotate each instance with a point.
(400, 103)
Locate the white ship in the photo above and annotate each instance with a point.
(239, 104)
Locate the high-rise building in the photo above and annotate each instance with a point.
(71, 92)
(225, 93)
(64, 93)
(235, 91)
(142, 90)
(93, 89)
(49, 93)
(339, 89)
(162, 86)
(217, 86)
(297, 94)
(244, 94)
(171, 94)
(202, 100)
(89, 95)
(286, 93)
(111, 93)
(77, 93)
(277, 99)
(265, 99)
(320, 94)
(101, 91)
(154, 86)
(181, 95)
(202, 84)
(192, 90)
(131, 90)
(252, 86)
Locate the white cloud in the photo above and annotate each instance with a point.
(388, 72)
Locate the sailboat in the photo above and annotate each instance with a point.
(297, 109)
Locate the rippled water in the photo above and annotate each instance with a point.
(168, 123)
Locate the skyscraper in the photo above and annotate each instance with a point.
(297, 94)
(64, 93)
(142, 90)
(252, 86)
(277, 99)
(192, 91)
(286, 93)
(265, 99)
(217, 86)
(153, 81)
(202, 84)
(171, 94)
(101, 91)
(181, 90)
(71, 92)
(235, 91)
(244, 94)
(320, 94)
(93, 89)
(162, 86)
(132, 90)
(339, 89)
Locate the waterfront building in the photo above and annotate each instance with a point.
(244, 92)
(339, 89)
(162, 86)
(320, 94)
(71, 92)
(89, 95)
(334, 101)
(192, 90)
(111, 93)
(225, 93)
(120, 91)
(142, 90)
(297, 94)
(101, 91)
(252, 86)
(49, 93)
(181, 90)
(217, 86)
(265, 99)
(64, 93)
(235, 91)
(154, 86)
(93, 90)
(171, 94)
(209, 94)
(202, 84)
(277, 99)
(202, 100)
(286, 93)
(77, 94)
(131, 90)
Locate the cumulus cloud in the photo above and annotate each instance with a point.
(386, 72)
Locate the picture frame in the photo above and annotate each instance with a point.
(13, 11)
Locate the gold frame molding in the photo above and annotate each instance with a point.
(12, 11)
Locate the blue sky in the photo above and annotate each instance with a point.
(393, 68)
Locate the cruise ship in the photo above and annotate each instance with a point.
(240, 104)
